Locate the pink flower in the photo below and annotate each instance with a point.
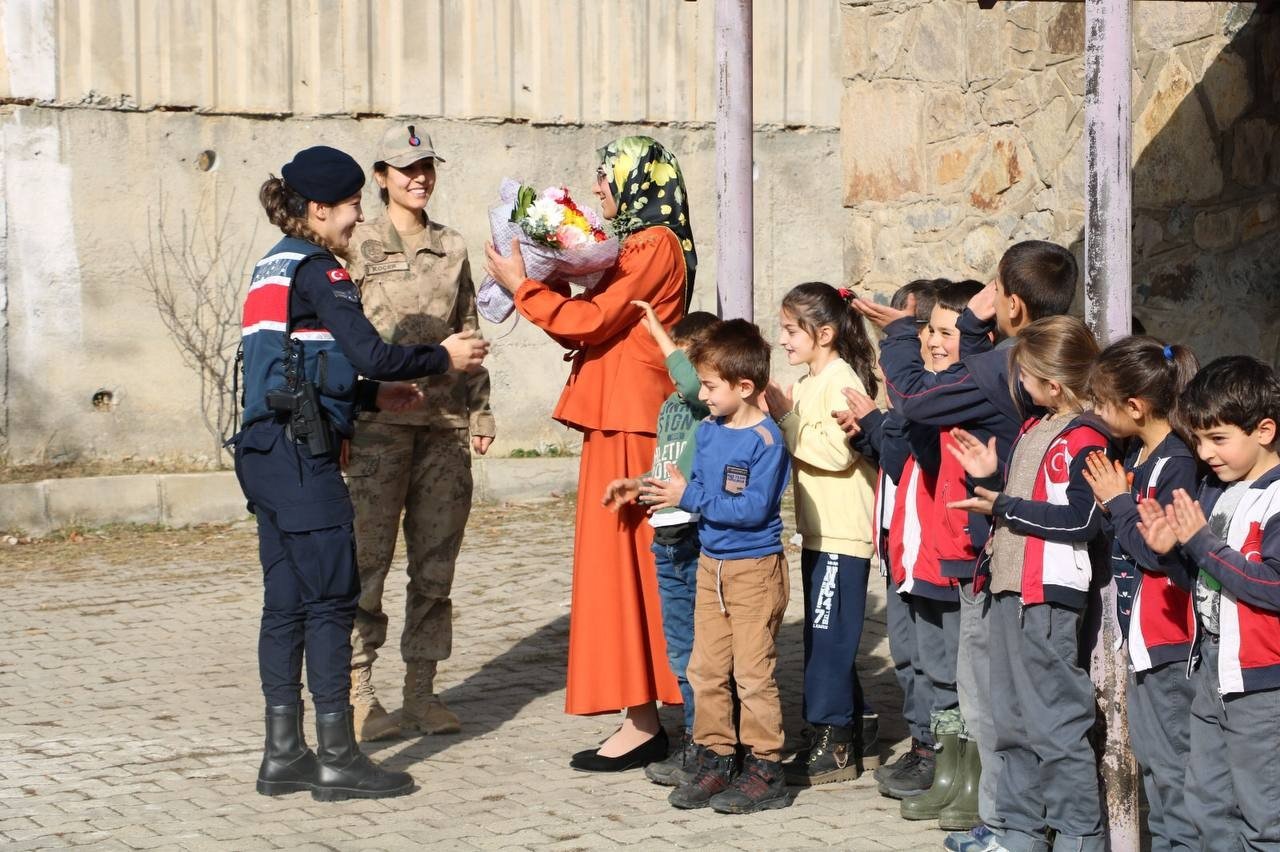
(556, 193)
(570, 237)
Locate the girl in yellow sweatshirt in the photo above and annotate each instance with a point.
(834, 490)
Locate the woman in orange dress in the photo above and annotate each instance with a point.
(617, 654)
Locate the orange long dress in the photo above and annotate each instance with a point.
(617, 653)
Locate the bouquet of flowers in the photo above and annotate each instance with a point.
(559, 240)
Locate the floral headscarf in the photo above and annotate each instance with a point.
(647, 184)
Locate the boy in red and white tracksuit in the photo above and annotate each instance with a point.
(1230, 537)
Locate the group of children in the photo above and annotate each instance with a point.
(1016, 471)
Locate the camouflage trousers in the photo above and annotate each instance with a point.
(426, 474)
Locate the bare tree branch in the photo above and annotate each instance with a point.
(194, 278)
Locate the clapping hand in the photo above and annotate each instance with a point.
(777, 402)
(1107, 478)
(663, 493)
(1154, 527)
(983, 502)
(1185, 516)
(978, 460)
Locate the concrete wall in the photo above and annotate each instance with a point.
(962, 133)
(81, 185)
(110, 104)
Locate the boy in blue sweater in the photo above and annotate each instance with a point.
(740, 469)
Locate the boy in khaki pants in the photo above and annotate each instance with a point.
(740, 469)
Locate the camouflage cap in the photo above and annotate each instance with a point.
(403, 146)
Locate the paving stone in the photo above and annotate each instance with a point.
(134, 720)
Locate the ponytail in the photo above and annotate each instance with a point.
(287, 210)
(1142, 367)
(815, 304)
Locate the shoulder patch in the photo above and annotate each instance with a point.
(338, 274)
(765, 435)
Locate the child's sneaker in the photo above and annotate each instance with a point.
(912, 779)
(979, 839)
(715, 774)
(828, 758)
(903, 760)
(680, 766)
(761, 785)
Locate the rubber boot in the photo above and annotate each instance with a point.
(423, 711)
(930, 803)
(344, 771)
(372, 720)
(961, 813)
(288, 766)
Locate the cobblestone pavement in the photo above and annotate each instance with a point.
(130, 715)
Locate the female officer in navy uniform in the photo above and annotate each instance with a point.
(306, 340)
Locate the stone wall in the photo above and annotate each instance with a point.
(962, 133)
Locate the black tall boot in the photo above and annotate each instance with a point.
(344, 771)
(288, 766)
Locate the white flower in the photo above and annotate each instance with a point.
(545, 214)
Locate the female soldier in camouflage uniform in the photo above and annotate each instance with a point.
(415, 284)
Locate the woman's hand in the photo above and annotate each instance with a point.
(508, 271)
(465, 351)
(1107, 478)
(663, 493)
(983, 501)
(777, 402)
(847, 422)
(399, 396)
(977, 459)
(619, 493)
(481, 443)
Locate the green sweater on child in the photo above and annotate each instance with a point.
(677, 422)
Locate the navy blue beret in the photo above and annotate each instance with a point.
(323, 174)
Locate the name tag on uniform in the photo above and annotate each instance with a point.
(735, 478)
(387, 266)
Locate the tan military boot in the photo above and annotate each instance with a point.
(372, 721)
(423, 711)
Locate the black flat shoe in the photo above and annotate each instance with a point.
(653, 749)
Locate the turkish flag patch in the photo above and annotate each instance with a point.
(339, 274)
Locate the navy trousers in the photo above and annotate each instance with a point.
(835, 601)
(311, 585)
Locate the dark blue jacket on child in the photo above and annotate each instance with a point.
(1153, 591)
(972, 394)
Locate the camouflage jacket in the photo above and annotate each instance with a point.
(423, 299)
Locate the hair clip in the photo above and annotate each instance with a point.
(1168, 353)
(845, 293)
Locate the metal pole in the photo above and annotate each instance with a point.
(734, 191)
(1108, 278)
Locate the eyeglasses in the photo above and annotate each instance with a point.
(601, 174)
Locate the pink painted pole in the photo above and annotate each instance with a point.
(1108, 279)
(735, 262)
